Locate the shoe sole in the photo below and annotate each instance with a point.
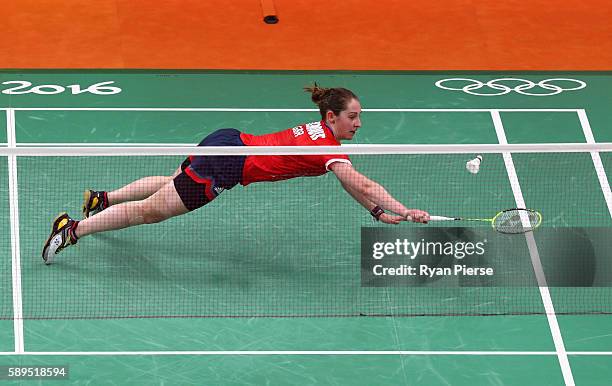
(51, 249)
(52, 240)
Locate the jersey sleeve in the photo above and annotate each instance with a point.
(330, 159)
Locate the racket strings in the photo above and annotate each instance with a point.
(511, 221)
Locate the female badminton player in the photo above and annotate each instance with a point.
(200, 179)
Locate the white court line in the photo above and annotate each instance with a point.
(15, 245)
(269, 110)
(535, 257)
(599, 168)
(313, 352)
(104, 144)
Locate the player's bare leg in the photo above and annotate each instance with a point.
(96, 201)
(161, 205)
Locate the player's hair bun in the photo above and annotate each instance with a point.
(330, 99)
(319, 94)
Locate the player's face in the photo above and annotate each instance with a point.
(348, 121)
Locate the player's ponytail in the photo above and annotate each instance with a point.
(330, 99)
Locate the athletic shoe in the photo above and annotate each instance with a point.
(62, 235)
(94, 202)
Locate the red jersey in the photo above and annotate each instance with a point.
(281, 167)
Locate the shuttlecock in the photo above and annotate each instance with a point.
(473, 166)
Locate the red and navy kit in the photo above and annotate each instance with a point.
(204, 177)
(281, 167)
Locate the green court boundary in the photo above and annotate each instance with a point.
(559, 352)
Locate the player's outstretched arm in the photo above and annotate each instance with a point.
(369, 193)
(369, 205)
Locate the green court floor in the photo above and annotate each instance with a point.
(173, 303)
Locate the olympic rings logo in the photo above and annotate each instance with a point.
(550, 86)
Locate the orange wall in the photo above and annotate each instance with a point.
(311, 34)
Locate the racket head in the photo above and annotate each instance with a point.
(511, 220)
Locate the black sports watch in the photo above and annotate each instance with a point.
(376, 212)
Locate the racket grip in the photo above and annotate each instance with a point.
(442, 218)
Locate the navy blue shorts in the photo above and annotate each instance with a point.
(204, 177)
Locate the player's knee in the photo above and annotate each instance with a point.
(152, 214)
(133, 211)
